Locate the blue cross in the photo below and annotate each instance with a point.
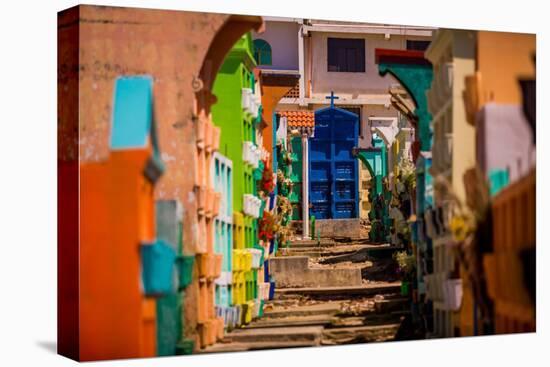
(332, 98)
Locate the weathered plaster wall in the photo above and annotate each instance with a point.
(168, 45)
(352, 85)
(283, 38)
(67, 85)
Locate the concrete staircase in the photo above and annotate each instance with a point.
(333, 291)
(290, 324)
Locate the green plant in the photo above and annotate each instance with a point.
(407, 174)
(406, 263)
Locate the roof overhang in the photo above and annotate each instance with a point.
(281, 78)
(388, 56)
(369, 29)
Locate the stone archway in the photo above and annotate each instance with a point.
(415, 74)
(373, 158)
(229, 33)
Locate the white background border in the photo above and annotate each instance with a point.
(28, 229)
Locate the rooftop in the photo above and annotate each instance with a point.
(301, 118)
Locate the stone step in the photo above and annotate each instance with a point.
(246, 346)
(324, 242)
(342, 291)
(359, 334)
(307, 320)
(317, 309)
(331, 242)
(332, 320)
(398, 304)
(294, 272)
(286, 336)
(333, 251)
(362, 253)
(290, 263)
(306, 334)
(351, 227)
(341, 228)
(372, 319)
(335, 244)
(347, 321)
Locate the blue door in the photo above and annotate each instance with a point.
(333, 172)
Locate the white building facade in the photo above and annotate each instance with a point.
(339, 57)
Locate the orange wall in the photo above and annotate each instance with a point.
(502, 58)
(271, 95)
(116, 320)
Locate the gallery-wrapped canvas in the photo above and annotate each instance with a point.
(235, 182)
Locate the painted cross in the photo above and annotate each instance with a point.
(332, 97)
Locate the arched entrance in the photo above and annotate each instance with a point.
(415, 74)
(233, 29)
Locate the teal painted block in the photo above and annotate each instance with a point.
(261, 313)
(185, 347)
(132, 123)
(262, 256)
(219, 235)
(133, 112)
(223, 296)
(375, 159)
(424, 183)
(297, 154)
(168, 324)
(222, 174)
(185, 270)
(262, 208)
(158, 270)
(295, 195)
(258, 172)
(498, 180)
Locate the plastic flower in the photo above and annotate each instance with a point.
(460, 228)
